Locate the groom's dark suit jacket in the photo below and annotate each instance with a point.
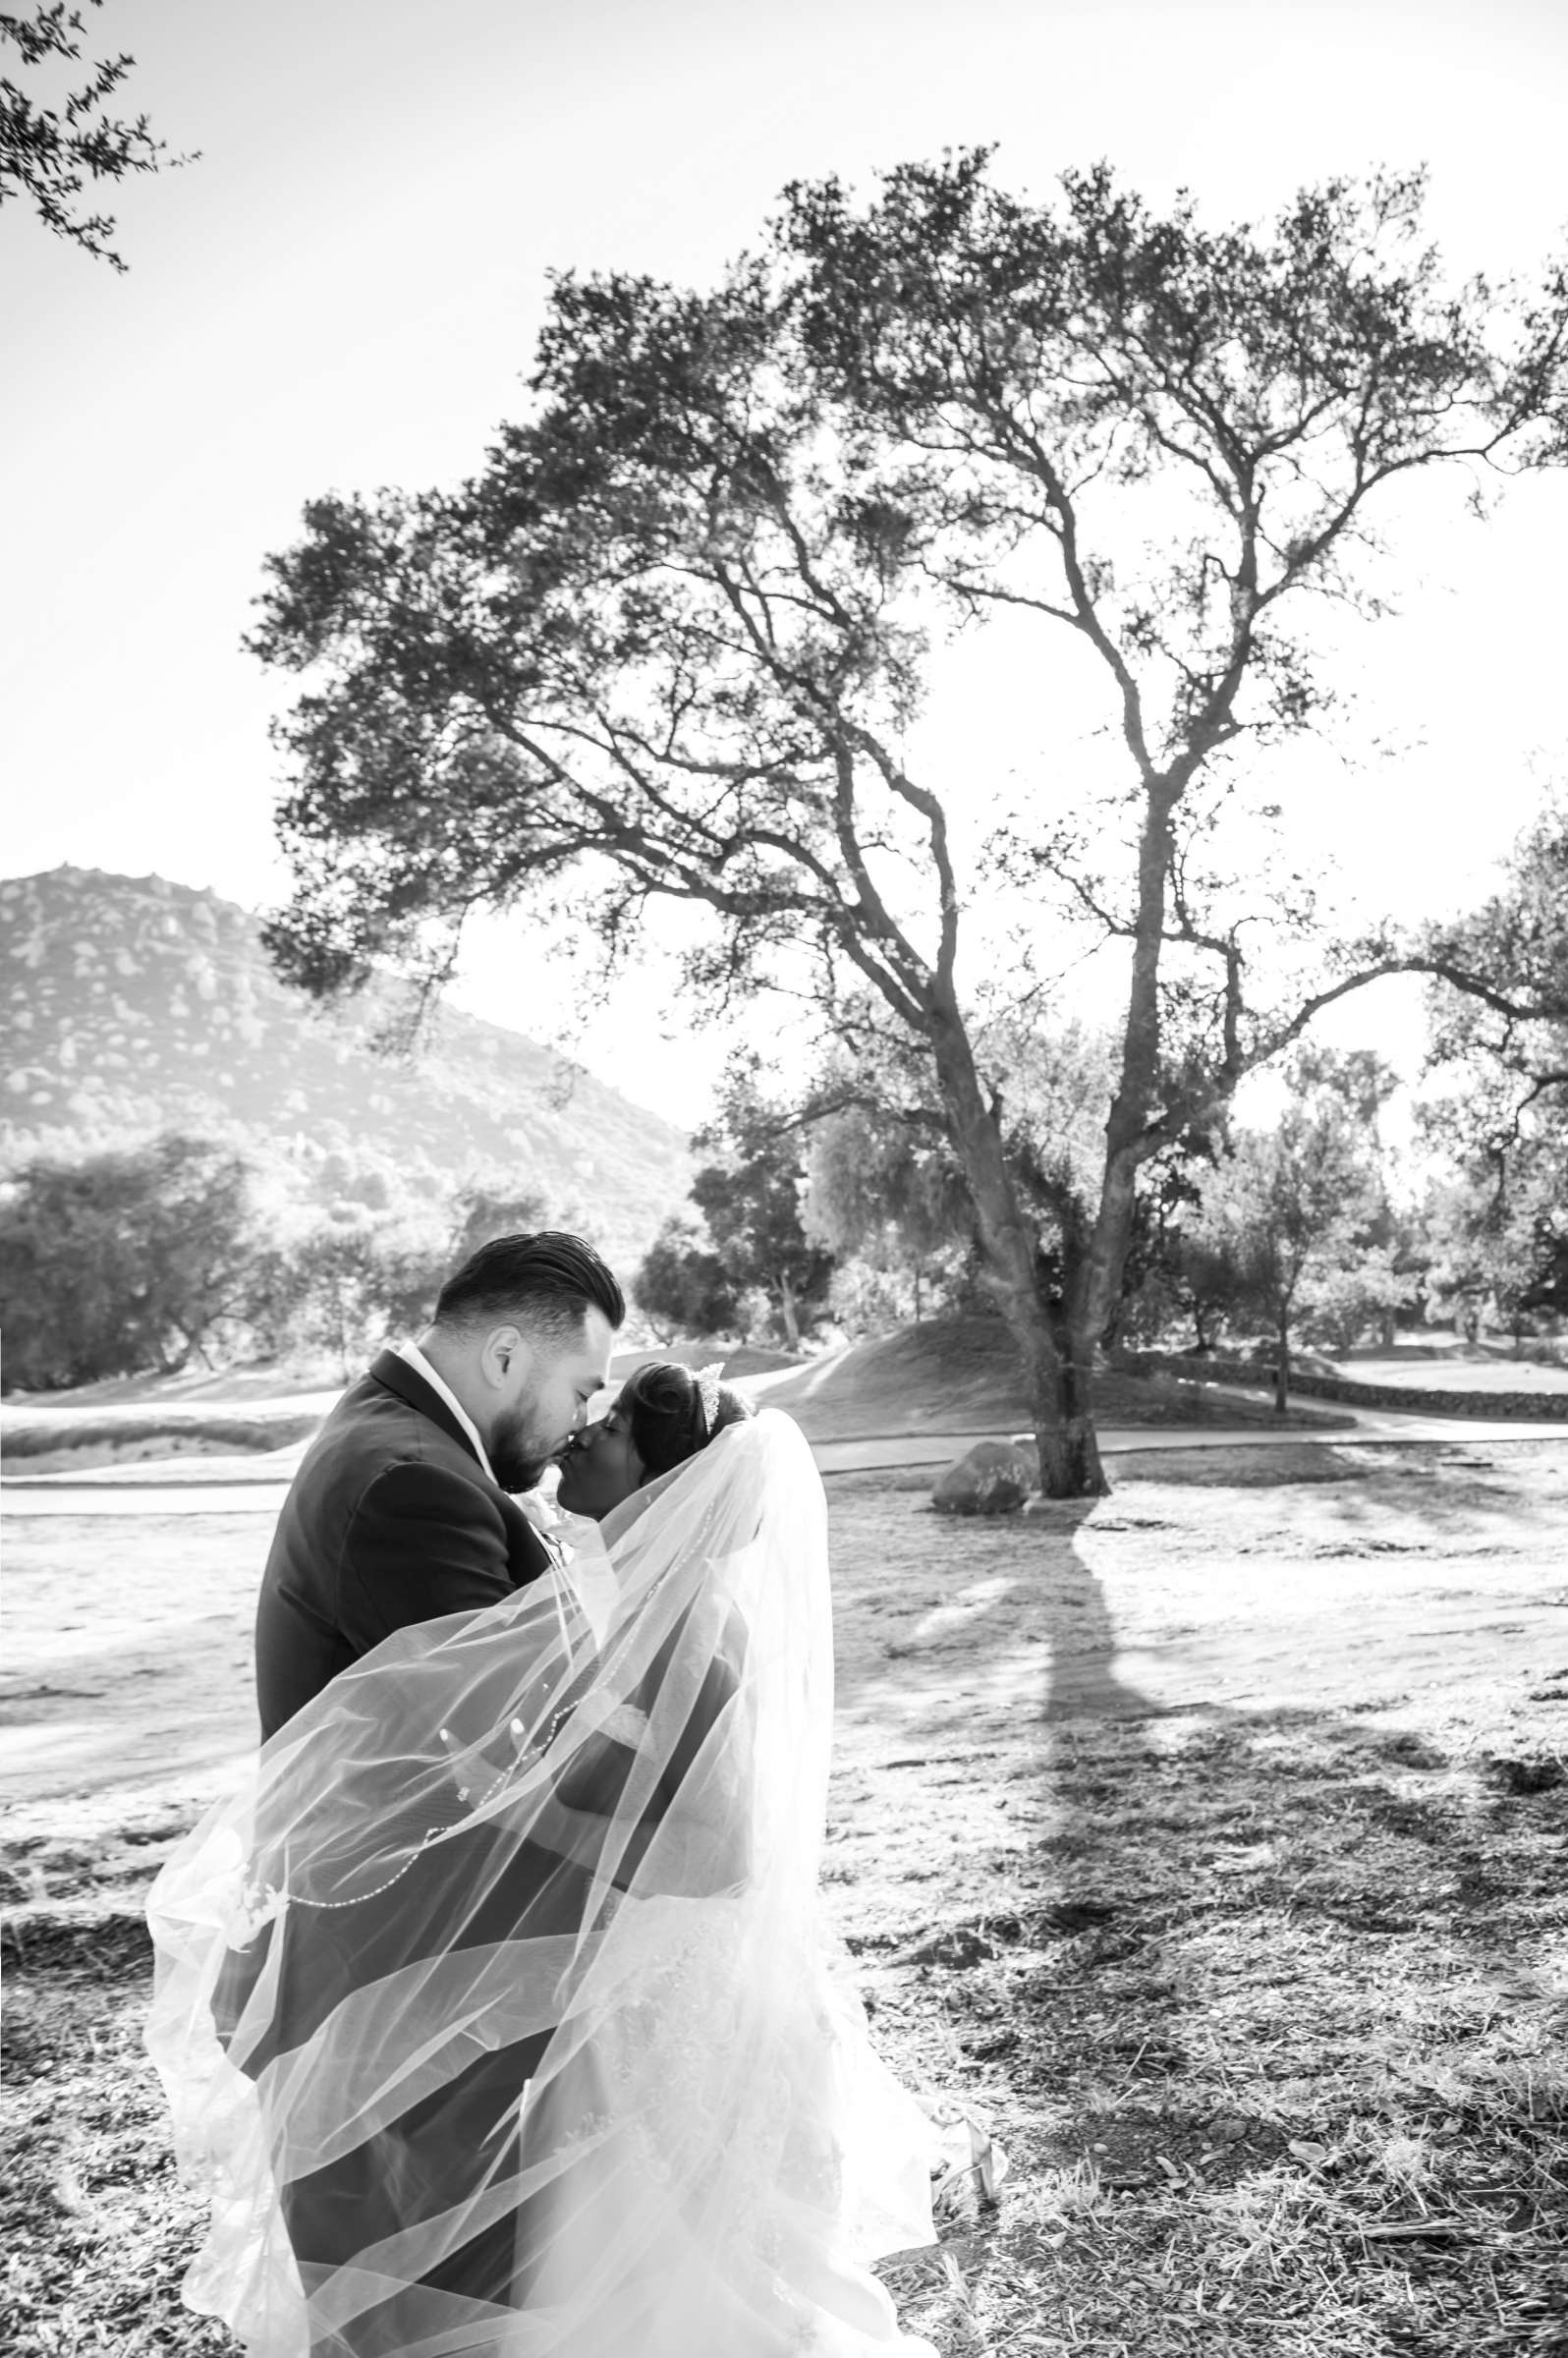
(391, 1520)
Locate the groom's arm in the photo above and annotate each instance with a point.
(423, 1542)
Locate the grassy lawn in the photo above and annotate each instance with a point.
(1205, 1845)
(962, 1375)
(957, 1374)
(1467, 1375)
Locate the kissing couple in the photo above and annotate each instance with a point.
(494, 2009)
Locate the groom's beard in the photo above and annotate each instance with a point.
(520, 1450)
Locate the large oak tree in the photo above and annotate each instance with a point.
(670, 639)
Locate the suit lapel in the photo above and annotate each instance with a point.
(391, 1369)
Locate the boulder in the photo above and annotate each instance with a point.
(994, 1478)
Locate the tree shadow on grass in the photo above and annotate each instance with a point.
(1247, 1962)
(1286, 1962)
(1082, 1681)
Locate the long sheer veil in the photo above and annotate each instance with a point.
(493, 2012)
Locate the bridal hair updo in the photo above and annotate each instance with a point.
(663, 1405)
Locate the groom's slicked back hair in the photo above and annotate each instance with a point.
(547, 1281)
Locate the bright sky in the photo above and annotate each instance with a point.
(345, 289)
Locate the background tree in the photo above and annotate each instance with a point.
(882, 1196)
(1546, 1292)
(885, 1192)
(70, 1272)
(1376, 1280)
(333, 1293)
(1367, 1289)
(1499, 1118)
(49, 153)
(886, 1184)
(751, 1197)
(142, 1260)
(485, 1209)
(1166, 1278)
(683, 1288)
(125, 1262)
(677, 628)
(347, 1284)
(1213, 1277)
(1504, 1036)
(1496, 1243)
(1290, 1217)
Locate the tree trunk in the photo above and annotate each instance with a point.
(1068, 1446)
(916, 1293)
(1059, 1376)
(1282, 1370)
(1096, 1261)
(786, 1312)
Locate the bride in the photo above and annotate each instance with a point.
(495, 2013)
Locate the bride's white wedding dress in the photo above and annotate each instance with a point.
(495, 2014)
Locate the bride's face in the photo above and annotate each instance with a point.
(603, 1467)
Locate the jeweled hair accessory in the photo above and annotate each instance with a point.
(707, 1391)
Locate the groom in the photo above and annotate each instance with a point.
(401, 1510)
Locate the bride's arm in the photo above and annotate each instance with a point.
(591, 1796)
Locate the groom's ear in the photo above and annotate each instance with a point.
(499, 1354)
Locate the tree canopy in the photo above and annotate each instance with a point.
(1505, 1037)
(123, 1261)
(672, 636)
(750, 1195)
(683, 1287)
(50, 153)
(1500, 1053)
(1290, 1229)
(142, 1257)
(484, 1210)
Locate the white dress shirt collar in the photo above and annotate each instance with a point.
(444, 1391)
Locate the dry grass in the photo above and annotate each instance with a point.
(1264, 2004)
(1263, 2000)
(95, 2229)
(1274, 2038)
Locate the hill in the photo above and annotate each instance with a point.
(962, 1375)
(134, 1005)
